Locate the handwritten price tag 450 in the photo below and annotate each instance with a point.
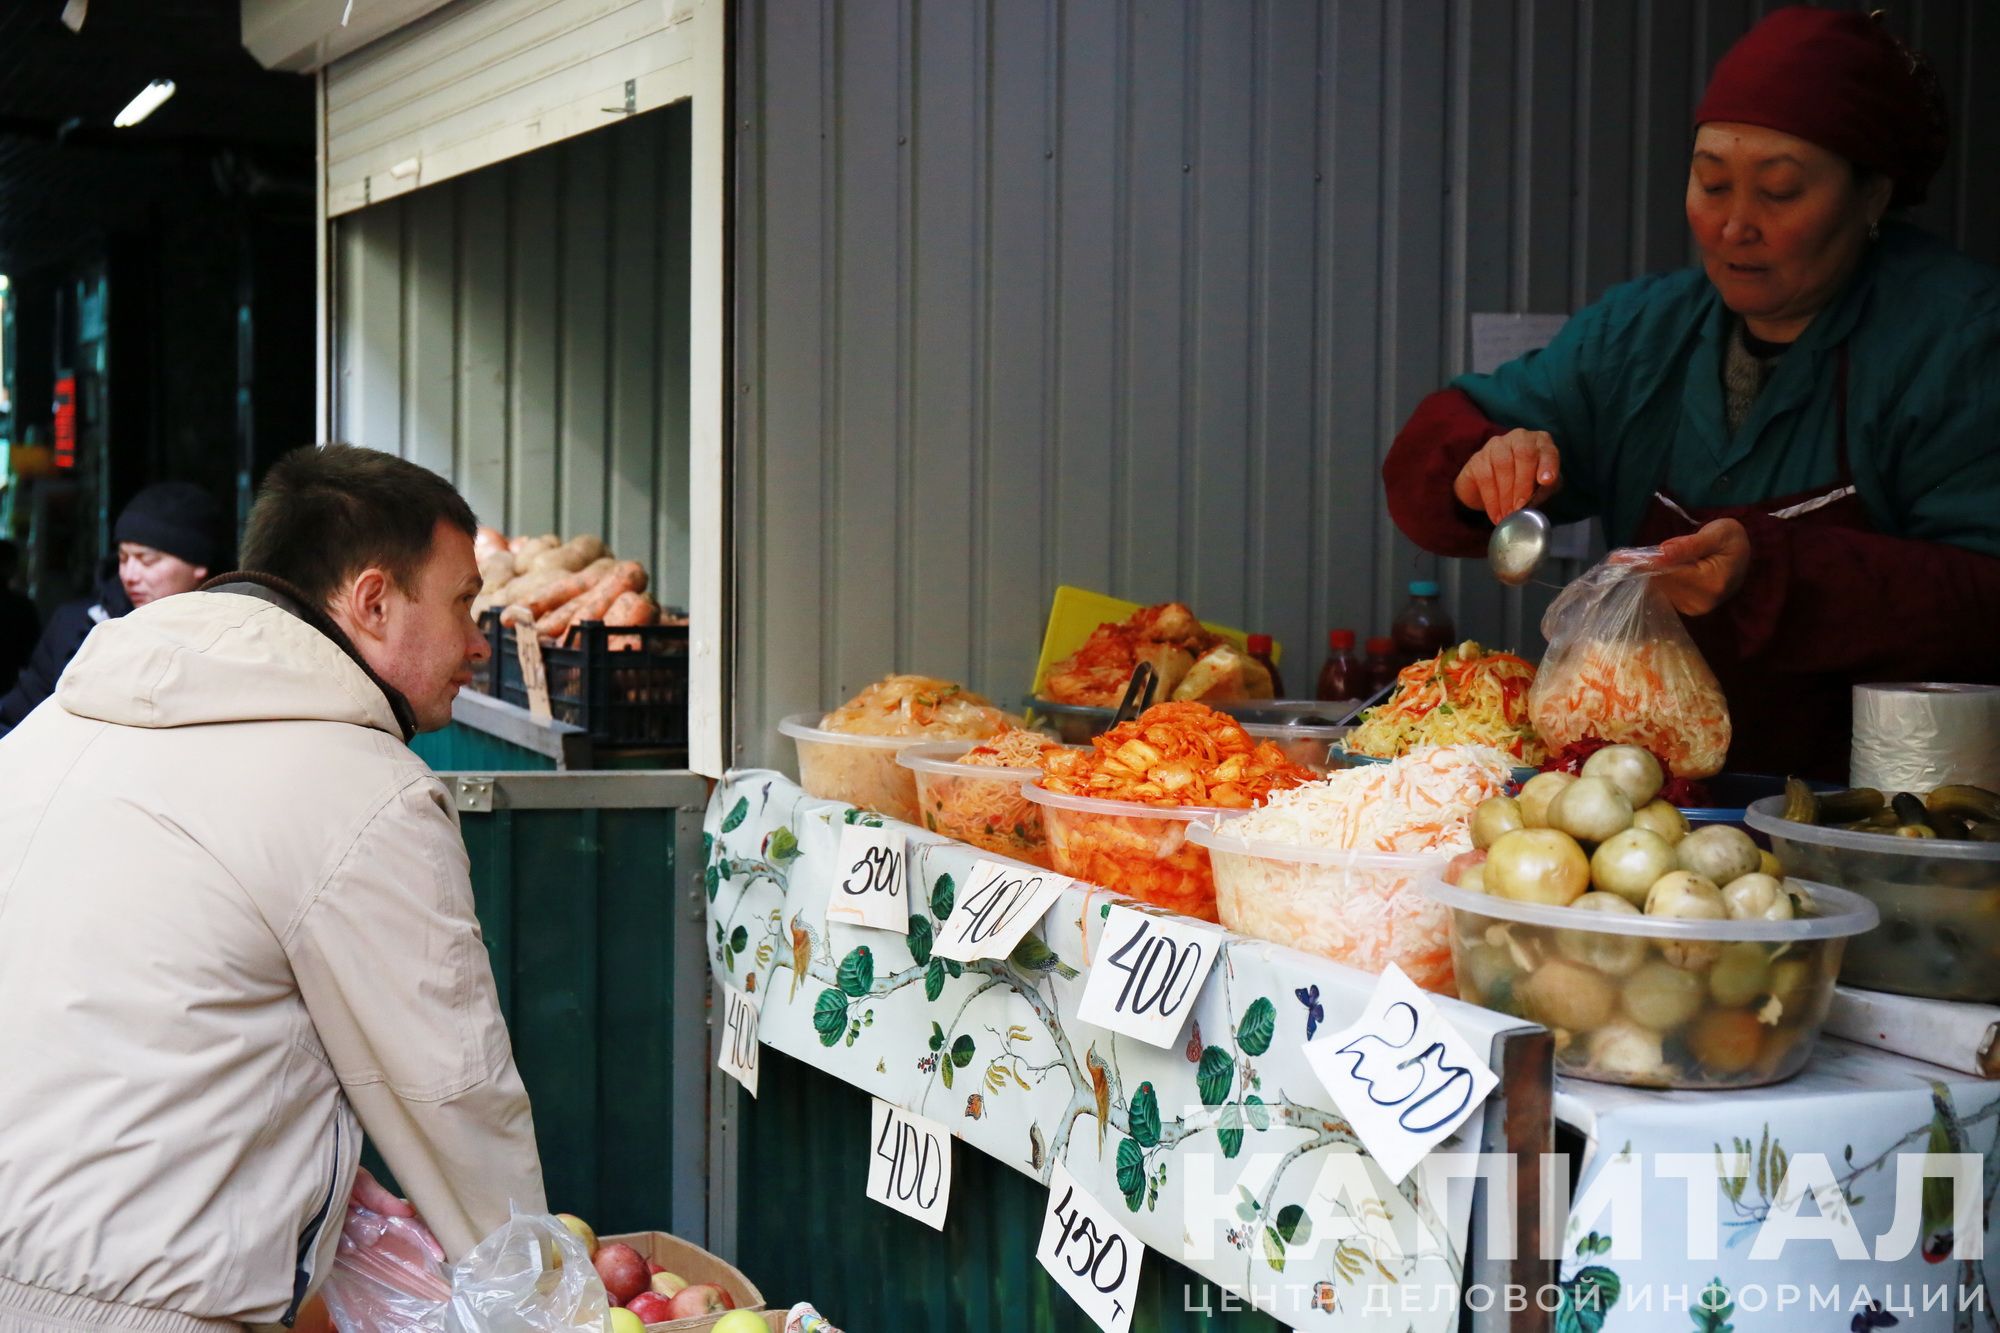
(1401, 1075)
(1002, 902)
(738, 1057)
(1146, 974)
(909, 1164)
(1089, 1253)
(873, 888)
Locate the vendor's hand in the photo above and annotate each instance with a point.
(1701, 571)
(1513, 471)
(369, 1194)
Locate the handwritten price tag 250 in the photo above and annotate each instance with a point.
(873, 888)
(1089, 1253)
(909, 1164)
(1001, 904)
(1147, 973)
(1401, 1075)
(738, 1056)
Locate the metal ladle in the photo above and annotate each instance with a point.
(1518, 546)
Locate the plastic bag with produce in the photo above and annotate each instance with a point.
(531, 1276)
(1621, 668)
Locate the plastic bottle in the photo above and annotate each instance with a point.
(1260, 649)
(1345, 675)
(1381, 664)
(1422, 629)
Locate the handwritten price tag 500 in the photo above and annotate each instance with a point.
(738, 1057)
(1147, 972)
(874, 879)
(1089, 1253)
(1002, 903)
(1401, 1075)
(909, 1164)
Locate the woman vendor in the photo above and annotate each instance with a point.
(1807, 424)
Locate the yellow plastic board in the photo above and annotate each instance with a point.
(1075, 612)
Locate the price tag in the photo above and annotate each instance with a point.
(738, 1057)
(909, 1164)
(534, 676)
(1089, 1253)
(873, 885)
(1401, 1074)
(1148, 971)
(1003, 903)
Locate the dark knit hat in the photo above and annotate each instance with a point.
(179, 518)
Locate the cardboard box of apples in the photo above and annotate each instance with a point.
(656, 1281)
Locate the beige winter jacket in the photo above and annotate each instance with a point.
(234, 913)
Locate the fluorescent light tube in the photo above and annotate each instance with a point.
(145, 104)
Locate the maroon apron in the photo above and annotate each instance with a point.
(1784, 723)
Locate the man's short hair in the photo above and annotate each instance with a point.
(325, 513)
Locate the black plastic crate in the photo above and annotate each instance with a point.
(628, 696)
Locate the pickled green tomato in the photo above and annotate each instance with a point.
(1719, 853)
(1630, 863)
(1757, 897)
(1630, 769)
(1590, 810)
(1612, 954)
(1626, 1050)
(1741, 973)
(1564, 993)
(1495, 817)
(1689, 897)
(1663, 819)
(1537, 865)
(1536, 795)
(1661, 996)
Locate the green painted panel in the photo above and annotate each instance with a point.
(806, 1231)
(461, 749)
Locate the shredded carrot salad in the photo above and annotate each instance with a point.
(1463, 696)
(1016, 747)
(1655, 694)
(989, 811)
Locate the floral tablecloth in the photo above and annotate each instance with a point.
(1218, 1150)
(1824, 1146)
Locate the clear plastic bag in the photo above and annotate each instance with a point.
(1621, 668)
(531, 1276)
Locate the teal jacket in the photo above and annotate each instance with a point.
(1632, 392)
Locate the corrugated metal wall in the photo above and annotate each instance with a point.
(1134, 295)
(524, 330)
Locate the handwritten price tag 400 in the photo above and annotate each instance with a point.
(1146, 973)
(873, 889)
(1089, 1253)
(738, 1057)
(1001, 903)
(1401, 1074)
(909, 1164)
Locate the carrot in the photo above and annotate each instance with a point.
(570, 586)
(631, 609)
(625, 576)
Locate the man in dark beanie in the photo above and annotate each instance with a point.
(171, 536)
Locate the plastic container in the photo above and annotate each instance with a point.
(1319, 748)
(1657, 1002)
(1363, 909)
(1421, 629)
(1259, 648)
(1139, 850)
(1073, 724)
(1940, 903)
(1344, 675)
(976, 803)
(1381, 665)
(860, 770)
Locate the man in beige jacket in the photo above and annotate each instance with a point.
(237, 931)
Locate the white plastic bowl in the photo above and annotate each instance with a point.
(860, 770)
(977, 803)
(1141, 850)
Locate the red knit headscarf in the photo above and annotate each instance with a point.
(1839, 79)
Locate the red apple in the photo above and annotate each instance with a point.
(623, 1270)
(652, 1268)
(700, 1299)
(651, 1307)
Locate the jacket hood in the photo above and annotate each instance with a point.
(207, 657)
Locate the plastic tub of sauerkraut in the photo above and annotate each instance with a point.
(1658, 1002)
(977, 803)
(1140, 850)
(860, 770)
(1360, 908)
